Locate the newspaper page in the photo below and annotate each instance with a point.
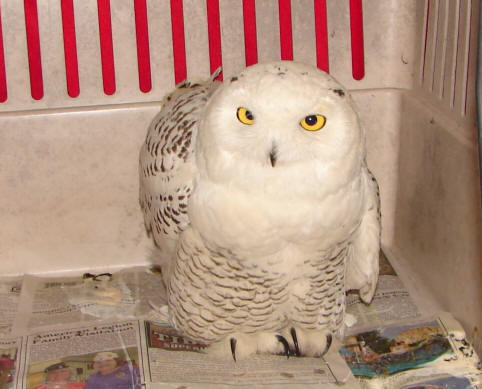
(105, 355)
(174, 361)
(399, 355)
(10, 289)
(128, 294)
(391, 302)
(10, 352)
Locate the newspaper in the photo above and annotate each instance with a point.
(407, 354)
(131, 293)
(391, 302)
(133, 354)
(74, 328)
(139, 354)
(9, 297)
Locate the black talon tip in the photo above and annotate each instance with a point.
(295, 341)
(233, 348)
(329, 339)
(285, 344)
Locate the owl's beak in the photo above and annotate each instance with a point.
(273, 156)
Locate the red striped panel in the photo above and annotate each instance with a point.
(357, 49)
(321, 34)
(70, 48)
(3, 75)
(250, 38)
(106, 46)
(285, 30)
(214, 33)
(33, 48)
(142, 38)
(178, 41)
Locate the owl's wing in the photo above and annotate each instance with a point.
(363, 257)
(167, 166)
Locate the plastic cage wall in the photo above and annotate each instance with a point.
(81, 79)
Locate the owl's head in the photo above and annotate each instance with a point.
(279, 120)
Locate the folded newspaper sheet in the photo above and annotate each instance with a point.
(109, 331)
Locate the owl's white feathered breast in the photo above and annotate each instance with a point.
(257, 193)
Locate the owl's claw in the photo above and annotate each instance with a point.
(285, 344)
(308, 343)
(295, 341)
(232, 341)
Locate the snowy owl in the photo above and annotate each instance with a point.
(264, 213)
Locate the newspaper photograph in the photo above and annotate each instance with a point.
(177, 360)
(10, 289)
(395, 355)
(10, 351)
(104, 356)
(129, 294)
(386, 351)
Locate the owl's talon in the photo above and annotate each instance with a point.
(232, 341)
(285, 344)
(308, 343)
(295, 341)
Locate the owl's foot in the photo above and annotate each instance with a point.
(309, 343)
(281, 339)
(290, 342)
(240, 346)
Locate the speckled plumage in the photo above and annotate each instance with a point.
(261, 226)
(167, 151)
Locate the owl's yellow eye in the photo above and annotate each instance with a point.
(313, 122)
(245, 116)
